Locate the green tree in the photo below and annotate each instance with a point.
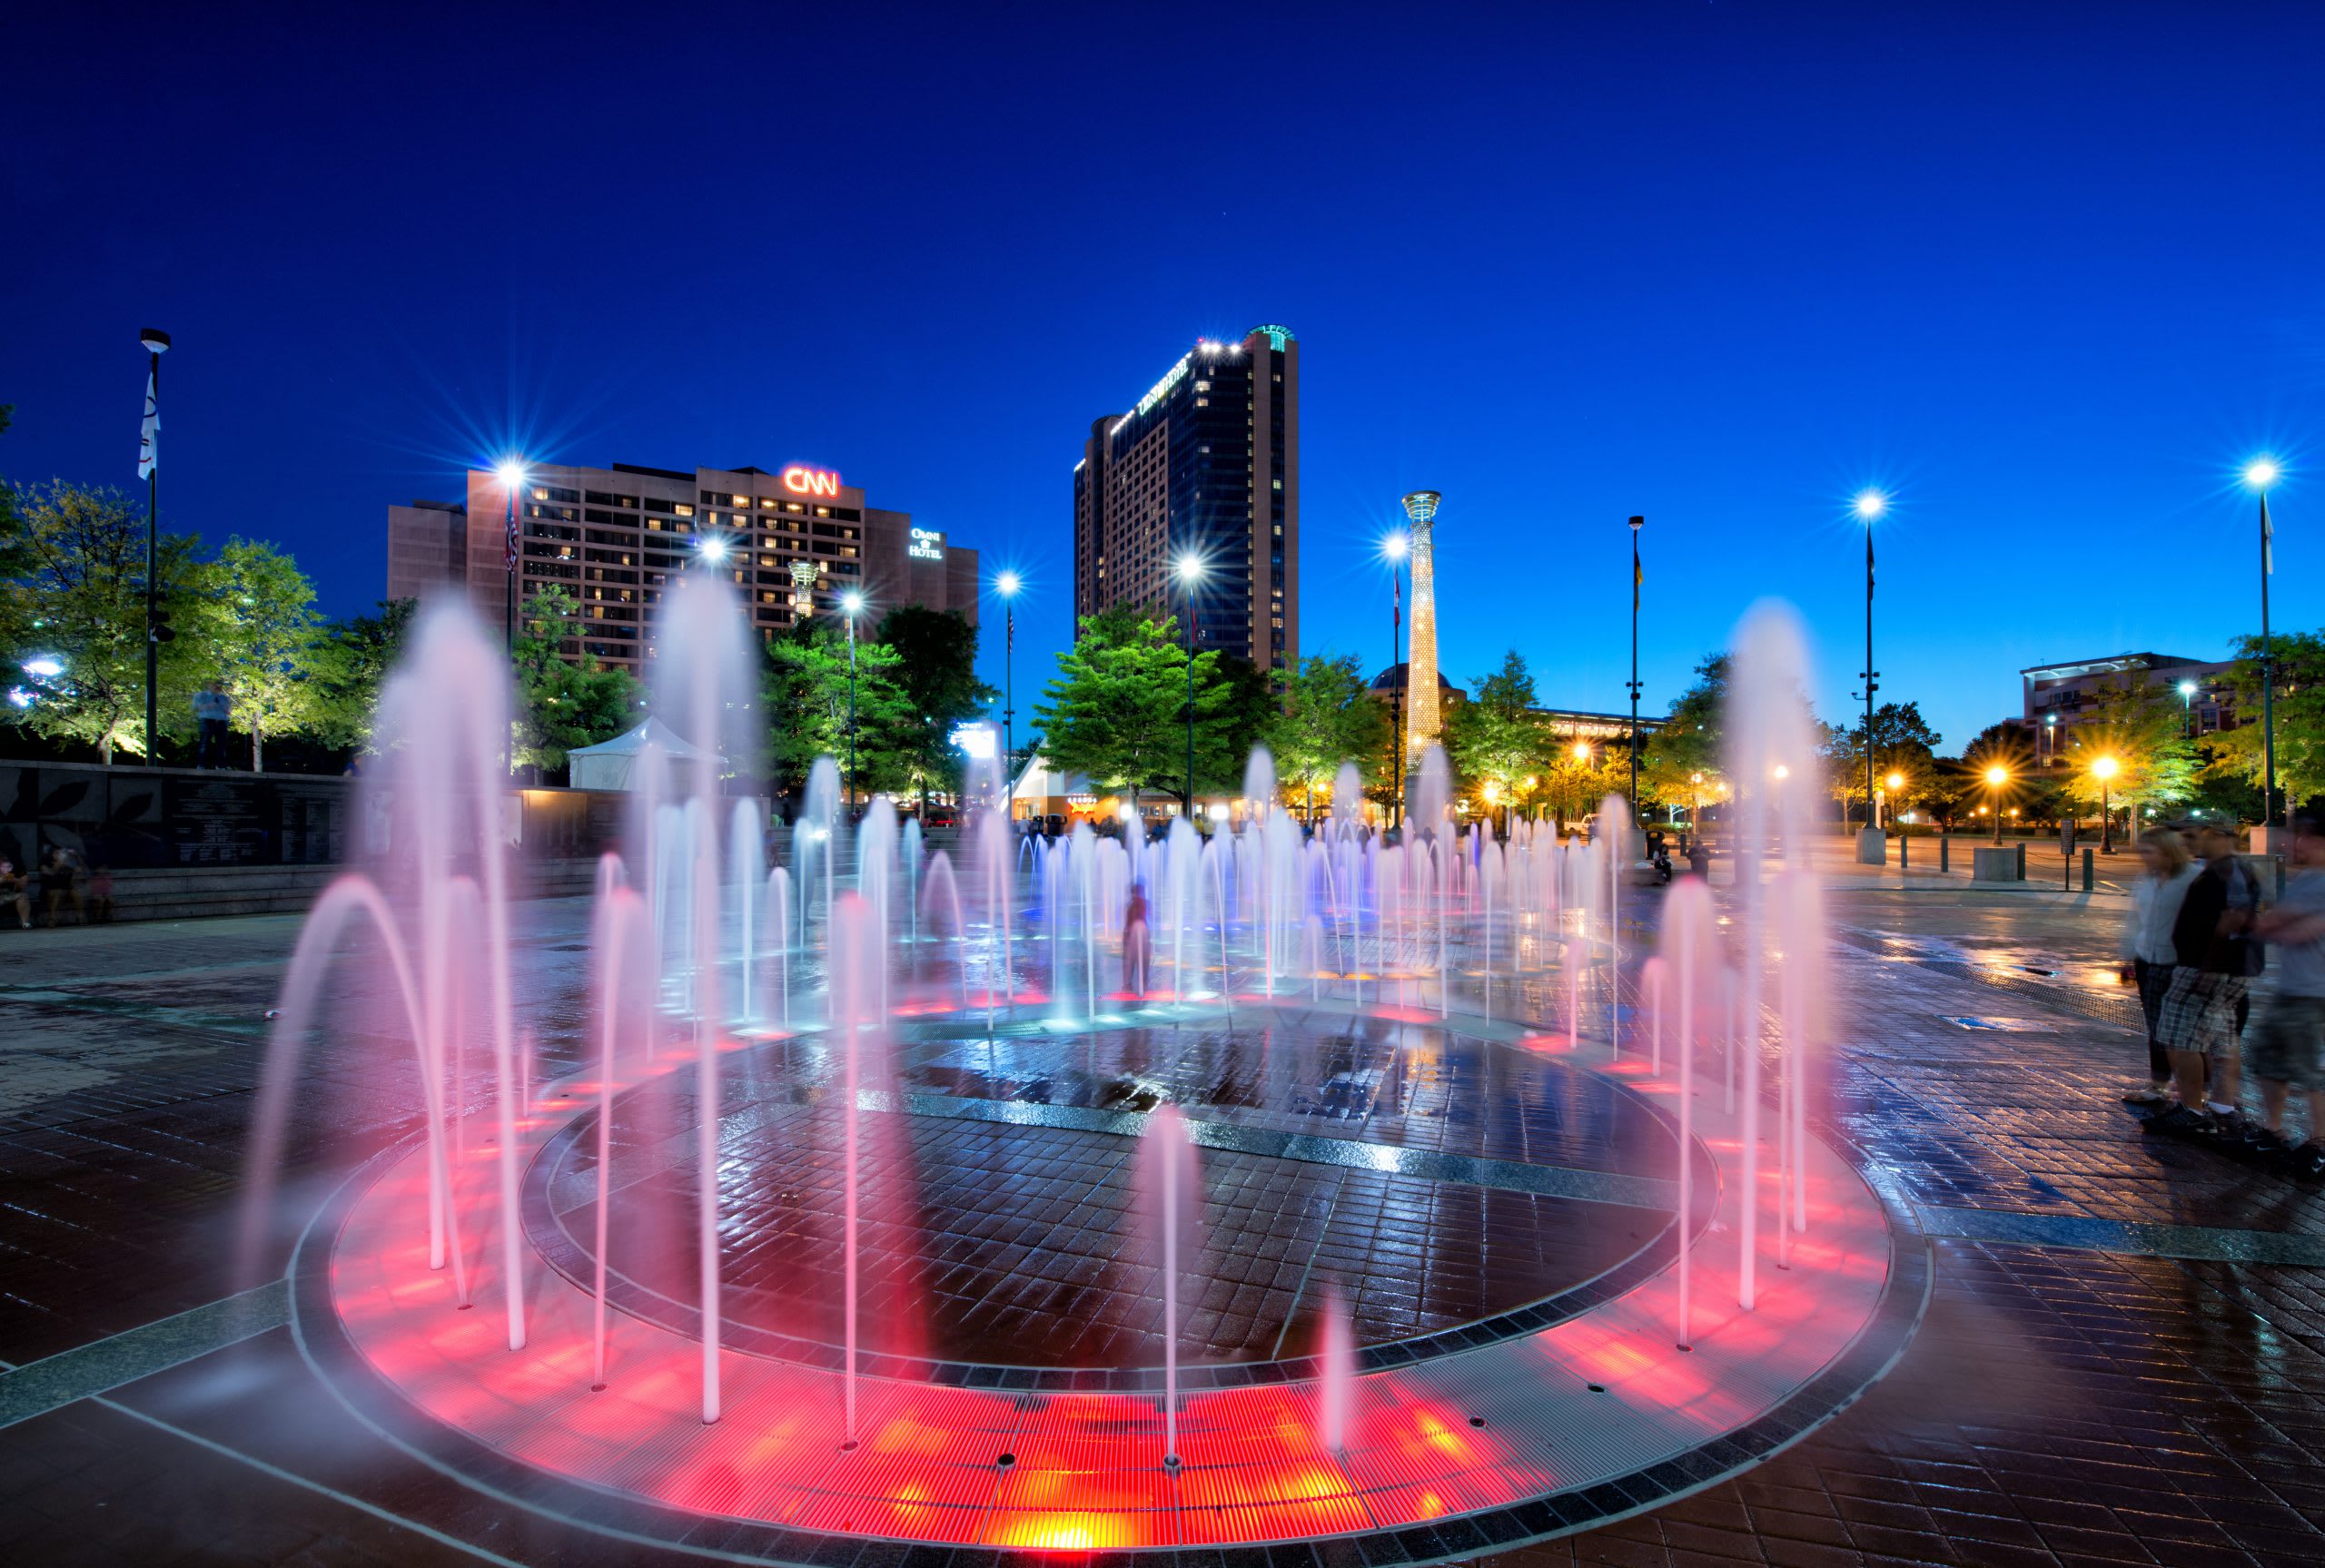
(259, 612)
(1691, 741)
(806, 683)
(1498, 737)
(2141, 728)
(78, 616)
(1117, 710)
(1328, 717)
(562, 703)
(1904, 746)
(937, 654)
(352, 664)
(2298, 658)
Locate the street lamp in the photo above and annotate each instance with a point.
(2188, 710)
(156, 343)
(2051, 729)
(1638, 578)
(1894, 782)
(852, 604)
(1007, 584)
(511, 473)
(712, 547)
(1869, 506)
(2103, 769)
(2260, 474)
(1997, 776)
(1190, 573)
(1394, 550)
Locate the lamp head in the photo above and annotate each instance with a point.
(512, 470)
(1997, 775)
(1582, 751)
(713, 548)
(1421, 505)
(156, 342)
(1896, 781)
(1869, 504)
(1396, 546)
(1189, 568)
(2263, 472)
(852, 601)
(2104, 767)
(1007, 584)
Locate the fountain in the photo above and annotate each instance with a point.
(708, 1220)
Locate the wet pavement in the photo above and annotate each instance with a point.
(2123, 1360)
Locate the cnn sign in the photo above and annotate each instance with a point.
(801, 481)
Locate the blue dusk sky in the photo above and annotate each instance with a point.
(2047, 272)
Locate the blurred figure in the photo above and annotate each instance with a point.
(2215, 957)
(1138, 945)
(212, 711)
(58, 879)
(16, 889)
(2289, 1040)
(2148, 955)
(100, 910)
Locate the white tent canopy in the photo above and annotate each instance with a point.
(612, 765)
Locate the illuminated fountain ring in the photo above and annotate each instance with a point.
(1547, 1417)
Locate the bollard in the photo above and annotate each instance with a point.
(2086, 871)
(1905, 858)
(2066, 871)
(1945, 853)
(2022, 862)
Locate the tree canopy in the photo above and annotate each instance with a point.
(1118, 710)
(1328, 717)
(936, 669)
(806, 682)
(563, 703)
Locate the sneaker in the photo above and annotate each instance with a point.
(2307, 1162)
(2147, 1094)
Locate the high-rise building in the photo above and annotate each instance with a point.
(611, 537)
(1206, 464)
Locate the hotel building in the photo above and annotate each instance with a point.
(1206, 464)
(612, 536)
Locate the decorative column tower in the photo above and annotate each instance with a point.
(1424, 726)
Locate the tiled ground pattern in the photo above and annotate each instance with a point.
(2057, 1407)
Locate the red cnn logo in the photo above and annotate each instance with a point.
(805, 482)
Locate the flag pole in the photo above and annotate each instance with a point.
(1638, 578)
(157, 342)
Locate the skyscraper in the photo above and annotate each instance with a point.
(1207, 464)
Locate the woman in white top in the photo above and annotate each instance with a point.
(2147, 950)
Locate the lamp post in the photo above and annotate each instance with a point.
(1007, 584)
(1190, 570)
(1997, 777)
(1869, 506)
(156, 343)
(2187, 710)
(512, 477)
(1638, 578)
(2103, 770)
(1895, 782)
(2260, 474)
(1394, 550)
(1695, 804)
(852, 602)
(2051, 730)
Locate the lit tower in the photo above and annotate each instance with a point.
(1422, 726)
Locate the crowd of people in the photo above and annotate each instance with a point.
(61, 884)
(2200, 931)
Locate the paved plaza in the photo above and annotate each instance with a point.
(2119, 1357)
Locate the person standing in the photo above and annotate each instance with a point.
(2215, 957)
(211, 710)
(1138, 943)
(2288, 1037)
(2147, 950)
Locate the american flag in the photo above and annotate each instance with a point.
(509, 557)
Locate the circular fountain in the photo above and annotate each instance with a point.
(907, 1195)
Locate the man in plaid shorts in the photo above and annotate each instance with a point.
(2218, 957)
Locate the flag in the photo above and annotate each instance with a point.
(149, 436)
(2268, 540)
(1868, 562)
(508, 556)
(1638, 574)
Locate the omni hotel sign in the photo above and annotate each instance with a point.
(926, 545)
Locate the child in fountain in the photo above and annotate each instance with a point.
(2288, 1037)
(1138, 945)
